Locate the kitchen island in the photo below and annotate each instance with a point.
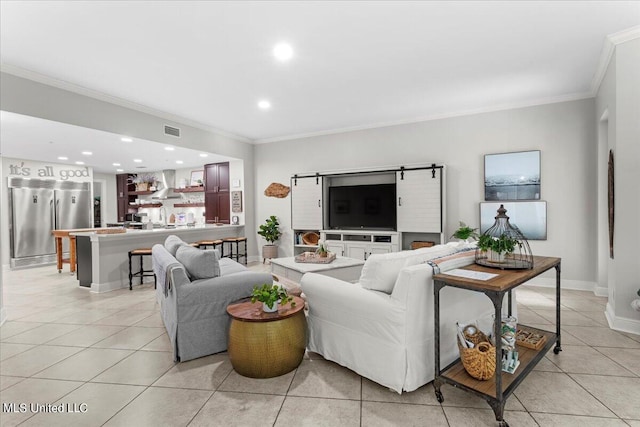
(104, 257)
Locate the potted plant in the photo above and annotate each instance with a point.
(465, 233)
(322, 249)
(144, 181)
(270, 296)
(271, 233)
(497, 247)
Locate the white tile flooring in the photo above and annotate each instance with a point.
(62, 344)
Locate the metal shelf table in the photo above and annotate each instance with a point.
(496, 390)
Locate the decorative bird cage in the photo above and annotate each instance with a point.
(504, 246)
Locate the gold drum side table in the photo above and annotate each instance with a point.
(265, 345)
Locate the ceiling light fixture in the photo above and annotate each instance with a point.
(79, 163)
(203, 155)
(87, 153)
(119, 170)
(63, 158)
(126, 139)
(179, 162)
(264, 104)
(137, 160)
(283, 52)
(116, 164)
(169, 148)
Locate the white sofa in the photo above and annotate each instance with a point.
(388, 337)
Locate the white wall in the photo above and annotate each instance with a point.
(564, 132)
(619, 94)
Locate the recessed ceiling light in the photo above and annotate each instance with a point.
(137, 160)
(179, 162)
(116, 164)
(126, 139)
(203, 155)
(169, 148)
(264, 104)
(119, 170)
(63, 158)
(87, 153)
(79, 163)
(283, 51)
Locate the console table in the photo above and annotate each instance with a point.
(497, 389)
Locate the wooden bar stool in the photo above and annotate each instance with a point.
(237, 255)
(203, 244)
(142, 252)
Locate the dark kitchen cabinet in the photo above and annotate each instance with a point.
(123, 186)
(216, 193)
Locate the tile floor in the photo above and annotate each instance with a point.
(62, 344)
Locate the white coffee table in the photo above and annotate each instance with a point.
(347, 269)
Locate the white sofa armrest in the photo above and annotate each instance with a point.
(373, 313)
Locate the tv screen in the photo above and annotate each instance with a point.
(363, 206)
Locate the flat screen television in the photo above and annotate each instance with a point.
(362, 207)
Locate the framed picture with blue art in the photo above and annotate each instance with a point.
(512, 176)
(529, 217)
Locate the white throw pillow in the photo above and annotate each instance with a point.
(380, 271)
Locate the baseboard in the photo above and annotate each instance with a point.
(254, 258)
(3, 315)
(601, 291)
(622, 324)
(576, 285)
(108, 286)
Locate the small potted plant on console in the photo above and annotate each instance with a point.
(466, 233)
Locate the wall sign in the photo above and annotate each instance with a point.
(30, 169)
(236, 201)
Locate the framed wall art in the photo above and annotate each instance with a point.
(512, 176)
(197, 178)
(529, 217)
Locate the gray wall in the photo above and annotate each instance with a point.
(620, 95)
(564, 132)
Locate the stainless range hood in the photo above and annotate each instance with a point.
(168, 184)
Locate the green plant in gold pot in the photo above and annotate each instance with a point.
(271, 296)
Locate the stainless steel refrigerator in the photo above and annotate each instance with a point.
(38, 206)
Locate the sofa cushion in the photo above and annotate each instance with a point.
(200, 264)
(172, 243)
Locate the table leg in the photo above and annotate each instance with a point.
(498, 405)
(558, 348)
(72, 254)
(436, 332)
(59, 253)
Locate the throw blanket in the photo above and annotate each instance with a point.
(163, 272)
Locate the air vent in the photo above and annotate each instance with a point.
(170, 130)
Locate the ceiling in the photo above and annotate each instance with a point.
(355, 65)
(47, 140)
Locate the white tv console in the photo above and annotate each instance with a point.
(420, 209)
(359, 244)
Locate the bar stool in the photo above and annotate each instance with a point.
(237, 255)
(203, 244)
(141, 252)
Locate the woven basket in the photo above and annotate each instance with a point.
(310, 238)
(480, 361)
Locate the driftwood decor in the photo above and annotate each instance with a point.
(277, 190)
(611, 203)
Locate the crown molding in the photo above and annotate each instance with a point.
(608, 48)
(489, 109)
(81, 90)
